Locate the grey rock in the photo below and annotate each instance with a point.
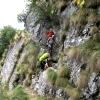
(93, 89)
(41, 85)
(10, 61)
(62, 94)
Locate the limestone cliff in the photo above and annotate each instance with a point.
(76, 73)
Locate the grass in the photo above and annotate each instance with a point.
(73, 53)
(61, 56)
(63, 72)
(4, 93)
(19, 94)
(27, 62)
(95, 34)
(79, 18)
(92, 18)
(22, 68)
(90, 46)
(94, 62)
(74, 93)
(27, 81)
(16, 94)
(59, 77)
(91, 52)
(82, 81)
(60, 3)
(43, 98)
(61, 82)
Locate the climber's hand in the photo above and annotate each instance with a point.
(46, 66)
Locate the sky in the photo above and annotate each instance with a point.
(9, 9)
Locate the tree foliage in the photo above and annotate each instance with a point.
(7, 34)
(45, 8)
(21, 17)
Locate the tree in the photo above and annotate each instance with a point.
(21, 17)
(7, 34)
(46, 8)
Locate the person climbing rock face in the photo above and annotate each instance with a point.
(43, 61)
(50, 40)
(50, 34)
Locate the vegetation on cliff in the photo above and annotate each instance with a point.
(6, 36)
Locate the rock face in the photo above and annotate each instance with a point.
(78, 25)
(37, 31)
(10, 61)
(92, 92)
(31, 25)
(45, 88)
(42, 85)
(75, 23)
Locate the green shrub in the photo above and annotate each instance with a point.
(19, 94)
(51, 75)
(7, 34)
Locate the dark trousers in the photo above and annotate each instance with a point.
(50, 46)
(42, 65)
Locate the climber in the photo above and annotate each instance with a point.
(43, 61)
(50, 40)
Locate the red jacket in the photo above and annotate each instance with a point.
(49, 34)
